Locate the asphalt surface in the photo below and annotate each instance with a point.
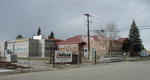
(115, 71)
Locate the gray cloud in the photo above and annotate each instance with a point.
(66, 19)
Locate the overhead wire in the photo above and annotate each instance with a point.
(125, 29)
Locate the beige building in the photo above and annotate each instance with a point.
(78, 45)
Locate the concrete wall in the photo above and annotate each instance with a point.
(2, 48)
(34, 48)
(24, 47)
(41, 47)
(49, 47)
(19, 47)
(46, 47)
(10, 46)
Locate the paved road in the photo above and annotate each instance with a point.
(115, 71)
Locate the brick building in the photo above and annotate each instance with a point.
(78, 45)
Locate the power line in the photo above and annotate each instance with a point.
(123, 29)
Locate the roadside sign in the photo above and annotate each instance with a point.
(63, 56)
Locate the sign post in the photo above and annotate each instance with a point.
(94, 51)
(53, 60)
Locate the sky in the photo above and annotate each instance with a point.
(65, 17)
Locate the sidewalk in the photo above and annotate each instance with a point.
(44, 65)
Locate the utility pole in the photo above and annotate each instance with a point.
(95, 56)
(110, 45)
(13, 43)
(53, 51)
(29, 60)
(53, 60)
(88, 32)
(50, 55)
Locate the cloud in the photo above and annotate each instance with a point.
(65, 17)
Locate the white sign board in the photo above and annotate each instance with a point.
(63, 56)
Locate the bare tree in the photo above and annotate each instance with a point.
(107, 34)
(112, 31)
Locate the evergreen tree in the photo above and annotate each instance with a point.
(39, 31)
(135, 41)
(19, 37)
(51, 36)
(125, 46)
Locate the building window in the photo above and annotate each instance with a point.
(47, 49)
(61, 46)
(102, 47)
(85, 50)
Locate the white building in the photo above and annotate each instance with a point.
(3, 47)
(36, 47)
